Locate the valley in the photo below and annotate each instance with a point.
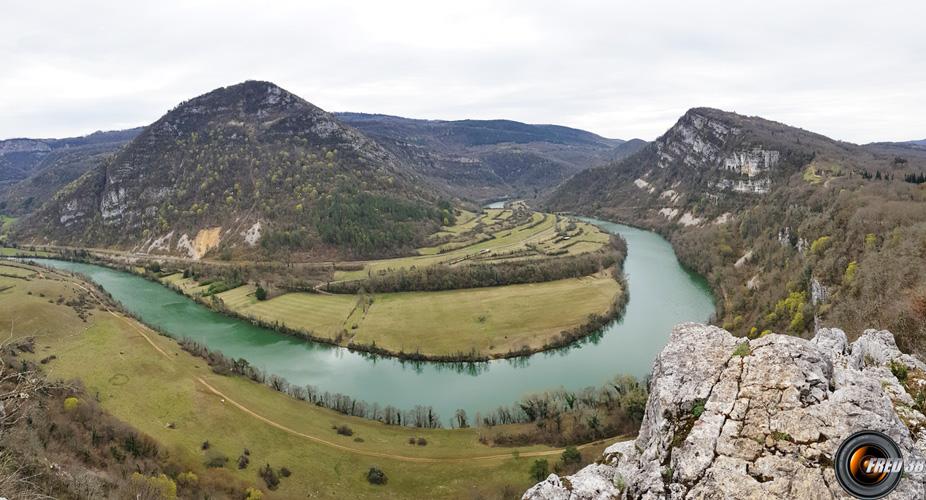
(152, 384)
(663, 293)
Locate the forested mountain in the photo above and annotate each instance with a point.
(491, 159)
(790, 227)
(32, 170)
(244, 168)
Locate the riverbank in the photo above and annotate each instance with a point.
(150, 383)
(663, 294)
(468, 325)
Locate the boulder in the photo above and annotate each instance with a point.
(731, 418)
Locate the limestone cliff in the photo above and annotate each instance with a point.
(731, 418)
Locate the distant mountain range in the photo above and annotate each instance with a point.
(32, 170)
(490, 159)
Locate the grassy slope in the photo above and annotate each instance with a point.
(149, 382)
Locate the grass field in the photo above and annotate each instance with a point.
(148, 382)
(17, 270)
(489, 321)
(485, 320)
(323, 315)
(10, 252)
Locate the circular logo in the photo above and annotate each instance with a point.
(868, 464)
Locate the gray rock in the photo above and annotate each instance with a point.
(724, 421)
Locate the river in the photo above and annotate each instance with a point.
(662, 293)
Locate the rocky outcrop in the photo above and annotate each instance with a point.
(733, 418)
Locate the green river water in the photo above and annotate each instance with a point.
(662, 294)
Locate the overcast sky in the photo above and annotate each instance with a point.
(851, 70)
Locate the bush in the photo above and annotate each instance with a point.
(376, 476)
(422, 442)
(899, 370)
(253, 494)
(540, 469)
(697, 409)
(260, 293)
(345, 430)
(284, 472)
(270, 477)
(161, 487)
(71, 403)
(187, 479)
(216, 460)
(243, 462)
(571, 455)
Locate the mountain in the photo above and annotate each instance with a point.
(490, 159)
(793, 230)
(242, 168)
(32, 170)
(905, 144)
(727, 418)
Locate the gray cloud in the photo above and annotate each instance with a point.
(851, 70)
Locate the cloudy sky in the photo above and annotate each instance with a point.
(853, 70)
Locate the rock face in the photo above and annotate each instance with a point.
(731, 418)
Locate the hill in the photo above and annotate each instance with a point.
(241, 168)
(32, 170)
(491, 159)
(793, 230)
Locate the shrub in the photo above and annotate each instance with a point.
(376, 476)
(899, 370)
(243, 462)
(345, 430)
(71, 403)
(540, 469)
(253, 494)
(820, 245)
(850, 273)
(187, 479)
(284, 472)
(260, 293)
(270, 477)
(216, 460)
(571, 455)
(205, 445)
(742, 349)
(698, 408)
(422, 441)
(161, 487)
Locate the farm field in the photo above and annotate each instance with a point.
(148, 382)
(489, 321)
(10, 252)
(492, 236)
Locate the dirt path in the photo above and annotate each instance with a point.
(140, 329)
